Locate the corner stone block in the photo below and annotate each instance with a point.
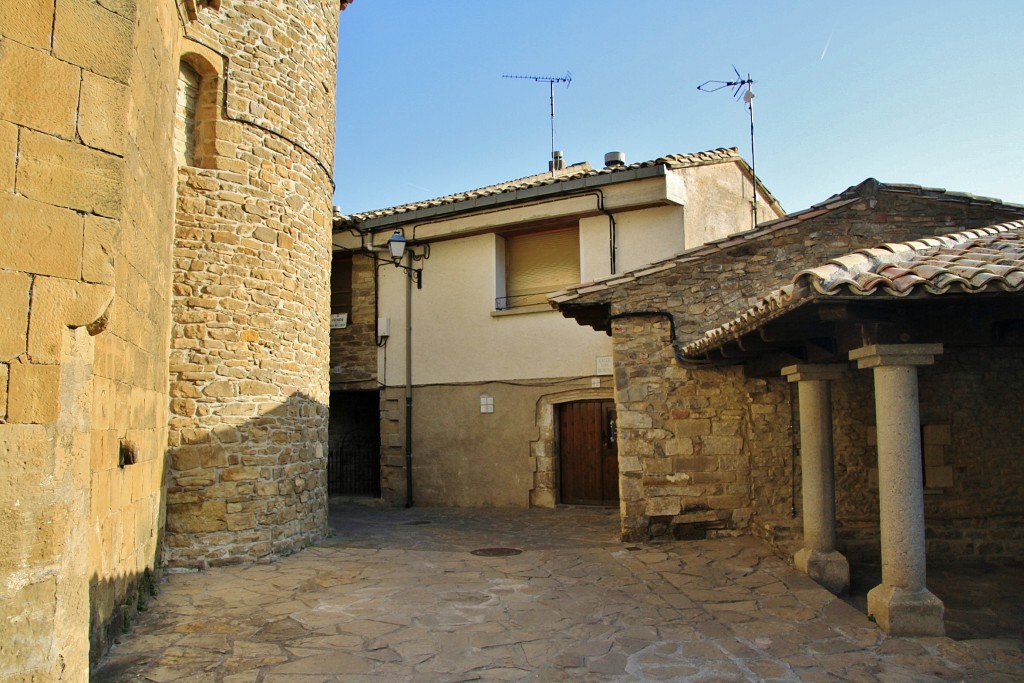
(67, 174)
(632, 419)
(39, 238)
(39, 92)
(662, 506)
(57, 304)
(14, 298)
(87, 34)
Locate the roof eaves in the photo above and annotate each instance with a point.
(511, 191)
(860, 274)
(451, 206)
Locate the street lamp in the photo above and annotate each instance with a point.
(397, 247)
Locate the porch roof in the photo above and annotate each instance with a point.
(986, 261)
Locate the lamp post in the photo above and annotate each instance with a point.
(397, 248)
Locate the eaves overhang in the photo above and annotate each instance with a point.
(562, 188)
(963, 288)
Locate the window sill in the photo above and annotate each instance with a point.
(522, 310)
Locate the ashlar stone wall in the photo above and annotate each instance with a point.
(87, 222)
(86, 206)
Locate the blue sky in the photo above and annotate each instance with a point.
(924, 92)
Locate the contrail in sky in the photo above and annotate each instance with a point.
(827, 43)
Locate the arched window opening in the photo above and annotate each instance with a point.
(185, 124)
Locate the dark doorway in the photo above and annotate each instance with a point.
(353, 463)
(588, 455)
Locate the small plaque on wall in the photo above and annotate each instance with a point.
(604, 365)
(339, 320)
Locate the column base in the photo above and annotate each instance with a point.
(900, 612)
(831, 570)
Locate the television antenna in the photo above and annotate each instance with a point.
(740, 90)
(550, 80)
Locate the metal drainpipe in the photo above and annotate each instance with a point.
(612, 232)
(408, 390)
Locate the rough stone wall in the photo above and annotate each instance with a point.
(691, 440)
(354, 348)
(697, 464)
(971, 437)
(249, 348)
(86, 197)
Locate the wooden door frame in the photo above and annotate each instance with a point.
(595, 412)
(544, 451)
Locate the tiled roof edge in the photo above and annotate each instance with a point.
(672, 161)
(865, 190)
(843, 275)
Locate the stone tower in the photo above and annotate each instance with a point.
(250, 302)
(164, 193)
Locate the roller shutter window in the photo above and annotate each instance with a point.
(540, 263)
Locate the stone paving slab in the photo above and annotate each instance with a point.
(397, 595)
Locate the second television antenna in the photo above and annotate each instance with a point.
(740, 90)
(550, 80)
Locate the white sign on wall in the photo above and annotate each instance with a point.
(339, 320)
(604, 365)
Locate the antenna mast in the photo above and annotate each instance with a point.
(741, 89)
(550, 80)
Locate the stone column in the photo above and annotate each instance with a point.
(901, 604)
(818, 558)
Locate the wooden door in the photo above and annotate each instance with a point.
(588, 455)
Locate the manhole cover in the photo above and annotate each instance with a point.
(416, 522)
(495, 552)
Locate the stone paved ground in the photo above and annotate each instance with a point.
(396, 595)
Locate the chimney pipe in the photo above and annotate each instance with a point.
(557, 163)
(614, 159)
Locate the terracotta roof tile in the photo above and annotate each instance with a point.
(573, 172)
(971, 262)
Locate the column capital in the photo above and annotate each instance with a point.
(887, 355)
(810, 372)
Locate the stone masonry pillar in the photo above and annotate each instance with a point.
(902, 604)
(818, 558)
